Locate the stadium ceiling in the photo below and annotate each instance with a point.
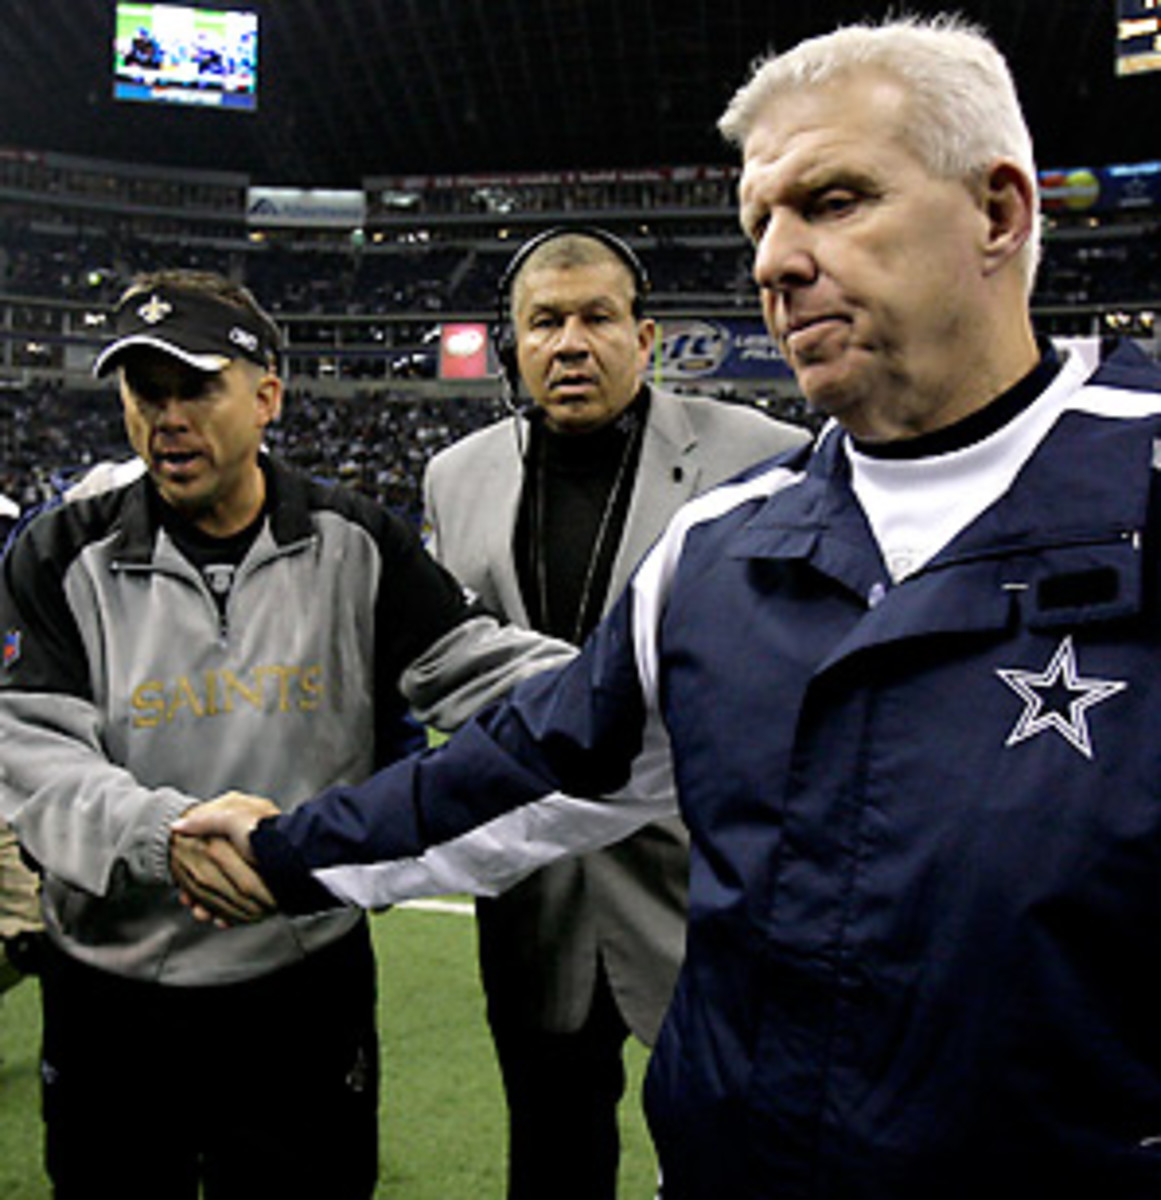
(358, 88)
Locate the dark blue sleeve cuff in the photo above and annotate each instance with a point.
(285, 873)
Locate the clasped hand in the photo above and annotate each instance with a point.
(212, 863)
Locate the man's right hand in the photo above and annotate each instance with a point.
(212, 863)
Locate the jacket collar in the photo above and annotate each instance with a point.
(288, 507)
(1055, 523)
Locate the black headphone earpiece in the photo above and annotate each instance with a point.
(503, 332)
(504, 343)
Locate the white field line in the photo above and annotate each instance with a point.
(462, 908)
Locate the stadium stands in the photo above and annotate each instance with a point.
(363, 305)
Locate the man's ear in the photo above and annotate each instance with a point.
(270, 392)
(646, 337)
(1008, 200)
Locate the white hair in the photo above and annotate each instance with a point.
(963, 110)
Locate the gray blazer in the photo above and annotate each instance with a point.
(624, 905)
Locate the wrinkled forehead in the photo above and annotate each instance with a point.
(858, 119)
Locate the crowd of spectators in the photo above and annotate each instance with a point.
(92, 265)
(75, 229)
(122, 186)
(363, 308)
(376, 441)
(133, 186)
(48, 435)
(1105, 265)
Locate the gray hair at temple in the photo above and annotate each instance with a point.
(964, 110)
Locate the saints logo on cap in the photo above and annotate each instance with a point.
(154, 309)
(204, 330)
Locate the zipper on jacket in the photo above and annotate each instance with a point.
(184, 570)
(186, 574)
(247, 567)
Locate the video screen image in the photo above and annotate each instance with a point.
(176, 54)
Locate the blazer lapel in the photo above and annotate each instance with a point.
(667, 476)
(496, 501)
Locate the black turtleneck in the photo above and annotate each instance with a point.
(577, 488)
(217, 558)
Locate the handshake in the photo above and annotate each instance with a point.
(213, 865)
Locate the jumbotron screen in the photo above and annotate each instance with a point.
(1138, 36)
(175, 54)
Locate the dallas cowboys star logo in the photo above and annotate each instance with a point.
(1057, 698)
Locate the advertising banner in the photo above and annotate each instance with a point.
(690, 349)
(463, 351)
(300, 207)
(1101, 189)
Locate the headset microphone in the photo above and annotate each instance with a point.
(504, 341)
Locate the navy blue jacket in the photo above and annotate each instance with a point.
(925, 903)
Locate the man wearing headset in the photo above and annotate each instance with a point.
(544, 515)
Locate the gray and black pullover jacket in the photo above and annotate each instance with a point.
(127, 695)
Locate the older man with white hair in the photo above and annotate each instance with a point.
(906, 683)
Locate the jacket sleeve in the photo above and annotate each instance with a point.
(473, 665)
(477, 661)
(84, 819)
(497, 801)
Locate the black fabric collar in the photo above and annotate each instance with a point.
(201, 547)
(585, 451)
(287, 505)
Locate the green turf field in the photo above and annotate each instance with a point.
(443, 1122)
